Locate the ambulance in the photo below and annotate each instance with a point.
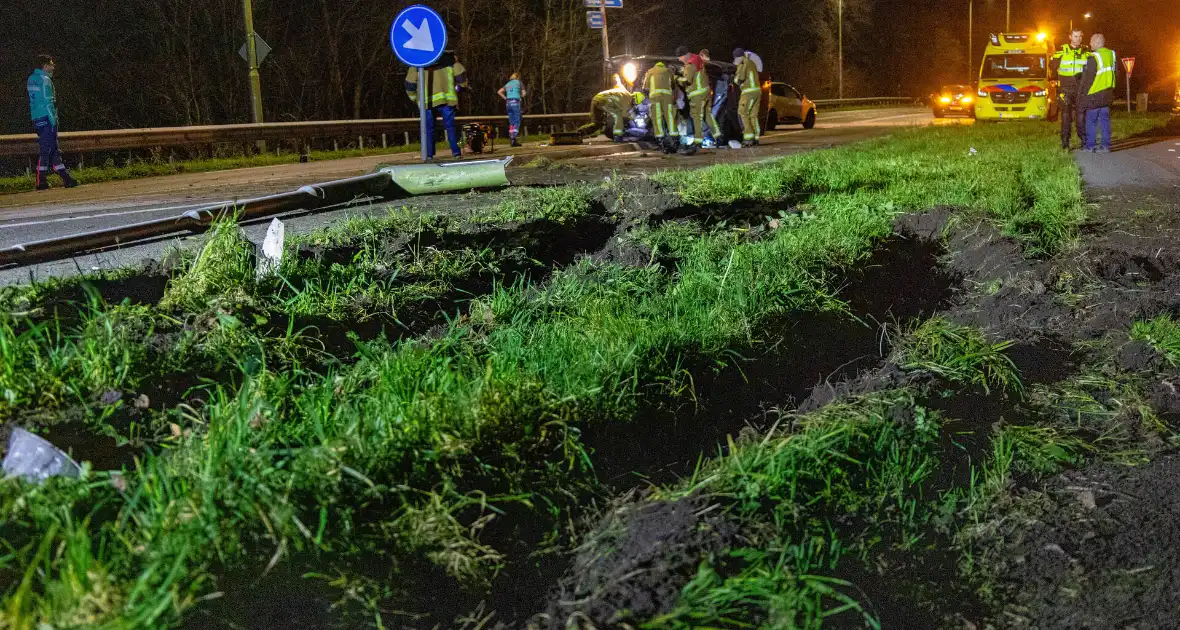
(1014, 79)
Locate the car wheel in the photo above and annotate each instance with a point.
(809, 122)
(771, 120)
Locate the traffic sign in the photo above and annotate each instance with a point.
(418, 36)
(260, 48)
(594, 19)
(1129, 64)
(610, 4)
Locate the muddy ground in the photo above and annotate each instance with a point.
(1094, 547)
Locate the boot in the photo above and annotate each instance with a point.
(69, 180)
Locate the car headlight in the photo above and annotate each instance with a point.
(982, 94)
(630, 72)
(967, 100)
(1040, 93)
(945, 99)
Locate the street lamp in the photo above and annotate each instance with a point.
(970, 35)
(840, 37)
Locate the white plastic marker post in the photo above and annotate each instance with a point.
(418, 37)
(272, 250)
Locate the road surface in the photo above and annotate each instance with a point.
(32, 216)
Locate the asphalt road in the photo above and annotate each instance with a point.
(26, 217)
(1137, 163)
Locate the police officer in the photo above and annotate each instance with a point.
(1068, 63)
(1097, 90)
(695, 81)
(444, 80)
(661, 103)
(43, 110)
(746, 78)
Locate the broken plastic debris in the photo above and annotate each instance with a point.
(734, 144)
(271, 256)
(35, 459)
(973, 151)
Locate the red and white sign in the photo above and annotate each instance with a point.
(1129, 64)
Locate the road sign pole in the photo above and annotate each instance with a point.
(423, 136)
(605, 49)
(1128, 92)
(252, 59)
(418, 36)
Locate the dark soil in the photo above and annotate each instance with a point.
(901, 282)
(653, 548)
(1096, 548)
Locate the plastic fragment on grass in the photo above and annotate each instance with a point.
(270, 255)
(35, 459)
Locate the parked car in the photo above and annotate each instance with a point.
(956, 100)
(786, 105)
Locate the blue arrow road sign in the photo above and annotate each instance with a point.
(594, 19)
(610, 4)
(418, 36)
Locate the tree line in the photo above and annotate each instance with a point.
(145, 63)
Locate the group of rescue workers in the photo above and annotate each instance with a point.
(703, 98)
(658, 92)
(1086, 81)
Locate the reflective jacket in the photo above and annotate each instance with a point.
(1098, 81)
(442, 86)
(695, 82)
(1070, 63)
(658, 81)
(42, 100)
(746, 76)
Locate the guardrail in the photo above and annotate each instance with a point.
(886, 100)
(123, 139)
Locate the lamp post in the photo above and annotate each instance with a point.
(970, 35)
(840, 37)
(1008, 21)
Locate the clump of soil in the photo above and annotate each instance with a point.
(635, 564)
(1096, 548)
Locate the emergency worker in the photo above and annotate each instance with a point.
(43, 111)
(662, 102)
(694, 80)
(746, 78)
(610, 107)
(1069, 62)
(1097, 90)
(444, 80)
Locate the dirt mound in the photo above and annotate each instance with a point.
(638, 560)
(1101, 551)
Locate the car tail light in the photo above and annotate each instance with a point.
(945, 99)
(968, 99)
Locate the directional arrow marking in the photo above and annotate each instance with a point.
(419, 37)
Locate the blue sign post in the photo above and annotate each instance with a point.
(418, 37)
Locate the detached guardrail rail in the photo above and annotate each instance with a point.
(388, 182)
(125, 139)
